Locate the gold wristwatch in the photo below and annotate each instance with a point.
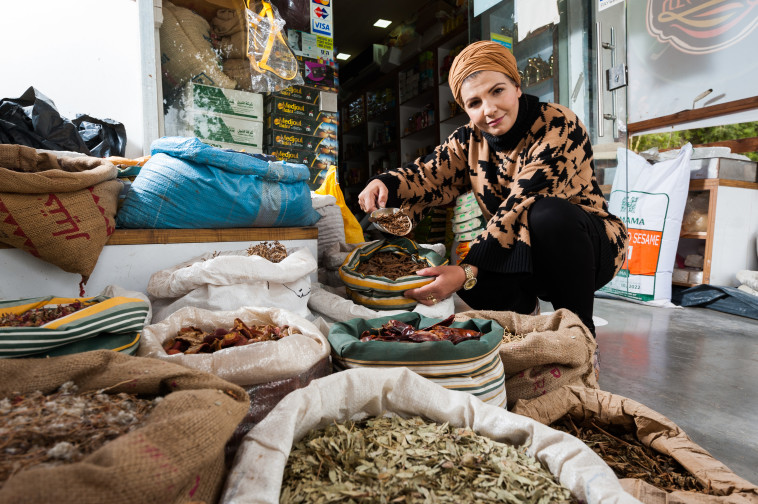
(470, 278)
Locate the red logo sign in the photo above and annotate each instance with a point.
(701, 26)
(322, 2)
(320, 12)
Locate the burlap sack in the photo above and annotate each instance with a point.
(61, 210)
(653, 430)
(176, 456)
(187, 52)
(556, 352)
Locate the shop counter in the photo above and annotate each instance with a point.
(131, 256)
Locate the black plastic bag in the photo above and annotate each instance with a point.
(104, 137)
(723, 299)
(33, 120)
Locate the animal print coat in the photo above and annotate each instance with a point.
(547, 152)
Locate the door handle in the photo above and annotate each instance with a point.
(599, 58)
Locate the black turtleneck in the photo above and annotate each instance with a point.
(528, 110)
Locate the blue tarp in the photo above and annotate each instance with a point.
(188, 184)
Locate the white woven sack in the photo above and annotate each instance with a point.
(331, 227)
(233, 279)
(258, 469)
(333, 307)
(248, 364)
(650, 199)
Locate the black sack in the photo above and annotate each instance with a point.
(103, 137)
(33, 120)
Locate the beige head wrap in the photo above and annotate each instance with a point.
(483, 55)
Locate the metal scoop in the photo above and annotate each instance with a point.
(388, 220)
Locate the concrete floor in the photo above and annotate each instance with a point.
(696, 366)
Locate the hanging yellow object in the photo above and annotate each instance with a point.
(270, 51)
(353, 230)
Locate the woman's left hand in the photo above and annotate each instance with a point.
(449, 280)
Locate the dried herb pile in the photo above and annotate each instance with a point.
(274, 252)
(191, 340)
(398, 224)
(40, 316)
(629, 458)
(63, 427)
(412, 461)
(391, 265)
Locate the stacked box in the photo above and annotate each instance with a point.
(296, 129)
(224, 118)
(324, 125)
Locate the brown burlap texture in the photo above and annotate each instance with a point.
(61, 210)
(175, 456)
(557, 351)
(653, 430)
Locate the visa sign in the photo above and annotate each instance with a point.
(321, 17)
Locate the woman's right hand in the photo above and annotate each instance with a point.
(373, 196)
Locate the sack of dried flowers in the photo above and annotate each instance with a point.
(175, 454)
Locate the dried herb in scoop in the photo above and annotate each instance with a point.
(413, 461)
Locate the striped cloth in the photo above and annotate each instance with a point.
(116, 321)
(379, 292)
(470, 366)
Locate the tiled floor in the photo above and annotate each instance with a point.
(696, 366)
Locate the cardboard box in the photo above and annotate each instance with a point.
(306, 94)
(223, 129)
(318, 164)
(286, 107)
(287, 140)
(319, 75)
(221, 101)
(325, 124)
(309, 158)
(325, 100)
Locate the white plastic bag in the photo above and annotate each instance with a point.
(258, 469)
(229, 280)
(245, 365)
(650, 199)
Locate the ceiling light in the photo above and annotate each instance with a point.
(382, 23)
(342, 56)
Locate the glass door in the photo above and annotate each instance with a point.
(570, 52)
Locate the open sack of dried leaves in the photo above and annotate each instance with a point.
(294, 352)
(456, 355)
(656, 460)
(541, 353)
(401, 467)
(173, 454)
(266, 274)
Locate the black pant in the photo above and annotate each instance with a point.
(571, 259)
